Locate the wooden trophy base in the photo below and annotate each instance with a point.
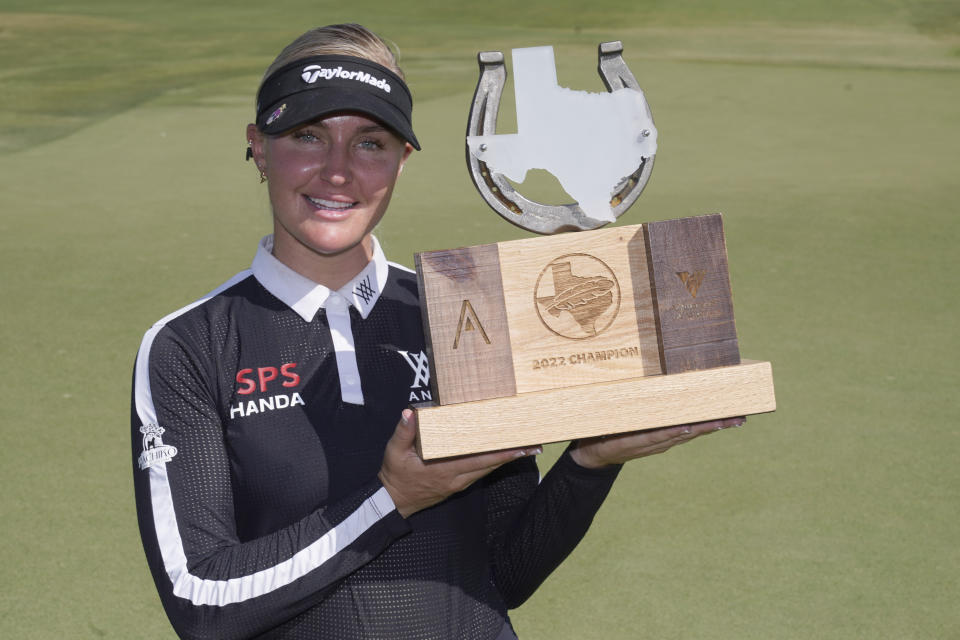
(595, 409)
(582, 334)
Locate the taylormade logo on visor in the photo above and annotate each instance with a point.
(315, 72)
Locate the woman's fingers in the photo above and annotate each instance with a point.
(619, 448)
(414, 484)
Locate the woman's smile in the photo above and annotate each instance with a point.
(332, 210)
(331, 205)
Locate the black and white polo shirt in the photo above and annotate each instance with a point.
(260, 417)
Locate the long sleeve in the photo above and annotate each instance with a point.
(534, 526)
(211, 583)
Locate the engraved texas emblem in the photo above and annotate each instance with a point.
(692, 280)
(587, 296)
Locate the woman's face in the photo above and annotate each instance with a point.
(330, 182)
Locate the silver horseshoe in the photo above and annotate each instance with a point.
(497, 191)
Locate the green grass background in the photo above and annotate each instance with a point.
(827, 133)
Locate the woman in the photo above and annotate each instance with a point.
(277, 493)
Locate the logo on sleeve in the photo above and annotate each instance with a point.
(420, 388)
(154, 451)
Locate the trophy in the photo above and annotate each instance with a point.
(584, 331)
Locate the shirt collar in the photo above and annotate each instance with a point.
(305, 296)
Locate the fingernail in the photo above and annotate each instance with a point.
(535, 451)
(686, 430)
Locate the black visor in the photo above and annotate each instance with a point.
(313, 87)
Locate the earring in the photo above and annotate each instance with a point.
(263, 176)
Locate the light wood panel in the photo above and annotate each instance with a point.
(572, 304)
(595, 409)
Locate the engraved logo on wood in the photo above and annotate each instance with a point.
(692, 280)
(469, 322)
(577, 296)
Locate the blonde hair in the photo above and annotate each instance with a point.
(338, 39)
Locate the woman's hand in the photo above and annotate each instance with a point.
(619, 448)
(414, 484)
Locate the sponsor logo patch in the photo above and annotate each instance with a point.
(276, 114)
(314, 72)
(154, 451)
(246, 408)
(420, 388)
(264, 380)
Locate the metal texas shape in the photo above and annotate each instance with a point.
(500, 194)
